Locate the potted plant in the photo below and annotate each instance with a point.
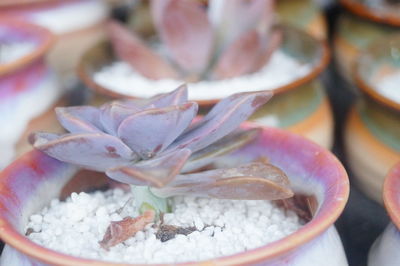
(155, 147)
(384, 250)
(361, 24)
(373, 124)
(28, 86)
(74, 36)
(226, 61)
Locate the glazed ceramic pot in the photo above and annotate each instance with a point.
(385, 250)
(33, 180)
(305, 14)
(373, 128)
(78, 25)
(28, 87)
(300, 106)
(359, 27)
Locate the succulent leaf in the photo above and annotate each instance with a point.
(253, 181)
(95, 151)
(151, 131)
(240, 57)
(79, 119)
(133, 50)
(112, 114)
(186, 32)
(268, 48)
(176, 97)
(155, 172)
(227, 144)
(223, 118)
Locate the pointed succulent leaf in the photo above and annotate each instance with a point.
(186, 32)
(134, 51)
(176, 97)
(240, 57)
(269, 46)
(95, 151)
(112, 114)
(227, 144)
(79, 119)
(151, 131)
(223, 118)
(253, 181)
(119, 231)
(155, 172)
(42, 136)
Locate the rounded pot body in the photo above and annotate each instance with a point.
(356, 29)
(312, 170)
(78, 25)
(385, 250)
(28, 87)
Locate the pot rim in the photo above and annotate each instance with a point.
(45, 41)
(365, 87)
(319, 66)
(391, 194)
(335, 198)
(364, 11)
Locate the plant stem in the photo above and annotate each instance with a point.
(146, 200)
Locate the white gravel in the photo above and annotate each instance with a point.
(13, 51)
(280, 70)
(389, 86)
(224, 227)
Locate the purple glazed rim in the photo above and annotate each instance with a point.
(42, 36)
(391, 194)
(325, 168)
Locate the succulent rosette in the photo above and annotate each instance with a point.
(160, 148)
(215, 39)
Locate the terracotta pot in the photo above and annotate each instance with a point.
(313, 171)
(28, 87)
(385, 250)
(305, 14)
(359, 27)
(301, 105)
(78, 25)
(373, 129)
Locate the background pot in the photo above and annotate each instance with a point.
(78, 25)
(28, 88)
(358, 28)
(305, 14)
(300, 106)
(373, 128)
(312, 170)
(385, 250)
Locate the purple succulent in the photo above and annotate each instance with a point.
(159, 143)
(201, 39)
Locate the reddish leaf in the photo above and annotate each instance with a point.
(151, 131)
(185, 30)
(268, 48)
(154, 172)
(253, 181)
(118, 232)
(134, 51)
(240, 57)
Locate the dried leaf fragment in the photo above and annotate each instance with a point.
(118, 232)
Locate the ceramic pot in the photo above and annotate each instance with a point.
(372, 134)
(385, 250)
(31, 182)
(78, 25)
(305, 14)
(28, 87)
(358, 27)
(300, 106)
